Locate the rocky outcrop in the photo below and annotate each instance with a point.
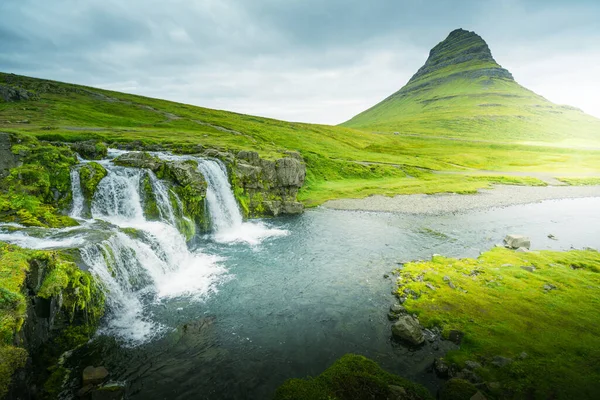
(10, 94)
(8, 160)
(268, 187)
(55, 306)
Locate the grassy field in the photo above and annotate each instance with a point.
(549, 309)
(339, 159)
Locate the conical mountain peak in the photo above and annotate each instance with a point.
(461, 51)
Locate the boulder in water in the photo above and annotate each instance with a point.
(408, 329)
(517, 241)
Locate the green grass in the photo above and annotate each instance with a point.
(349, 378)
(337, 157)
(504, 310)
(580, 181)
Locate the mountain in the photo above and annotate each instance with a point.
(461, 91)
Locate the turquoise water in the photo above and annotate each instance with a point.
(294, 304)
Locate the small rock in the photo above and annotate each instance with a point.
(392, 317)
(94, 375)
(500, 361)
(470, 376)
(451, 285)
(430, 286)
(529, 268)
(522, 250)
(441, 368)
(385, 276)
(472, 365)
(523, 356)
(446, 278)
(401, 300)
(548, 287)
(478, 396)
(551, 236)
(397, 309)
(506, 265)
(456, 336)
(407, 328)
(517, 241)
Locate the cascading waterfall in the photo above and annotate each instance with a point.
(77, 208)
(140, 262)
(227, 223)
(143, 259)
(224, 211)
(226, 218)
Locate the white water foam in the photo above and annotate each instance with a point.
(77, 208)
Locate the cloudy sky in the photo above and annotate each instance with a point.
(303, 60)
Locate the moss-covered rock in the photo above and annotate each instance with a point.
(267, 188)
(457, 389)
(47, 306)
(90, 149)
(90, 175)
(349, 378)
(33, 191)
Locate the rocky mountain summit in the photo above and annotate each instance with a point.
(466, 51)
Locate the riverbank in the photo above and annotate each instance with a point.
(515, 316)
(499, 196)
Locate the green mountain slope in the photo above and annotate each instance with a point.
(462, 92)
(341, 161)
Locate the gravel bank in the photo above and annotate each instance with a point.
(499, 196)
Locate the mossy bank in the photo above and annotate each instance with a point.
(47, 306)
(527, 322)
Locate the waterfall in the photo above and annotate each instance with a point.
(138, 262)
(143, 259)
(165, 208)
(224, 211)
(77, 208)
(227, 224)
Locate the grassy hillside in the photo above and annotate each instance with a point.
(342, 162)
(462, 92)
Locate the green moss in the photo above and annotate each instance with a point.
(351, 377)
(90, 175)
(33, 193)
(81, 307)
(150, 207)
(457, 389)
(11, 359)
(581, 181)
(54, 384)
(505, 310)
